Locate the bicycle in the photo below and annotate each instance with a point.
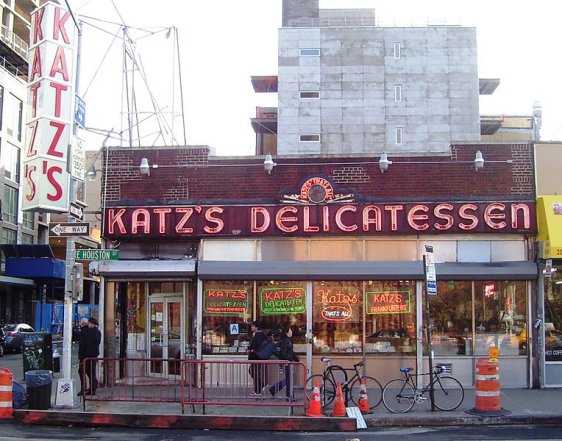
(400, 395)
(334, 374)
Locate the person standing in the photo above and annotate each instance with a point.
(286, 352)
(88, 351)
(84, 329)
(257, 371)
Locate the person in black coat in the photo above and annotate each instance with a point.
(257, 371)
(81, 338)
(286, 352)
(89, 341)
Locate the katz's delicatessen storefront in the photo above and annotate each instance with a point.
(348, 276)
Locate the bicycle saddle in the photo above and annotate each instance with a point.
(406, 370)
(326, 359)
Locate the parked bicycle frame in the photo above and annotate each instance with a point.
(351, 387)
(400, 395)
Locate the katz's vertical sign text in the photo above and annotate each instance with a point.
(52, 59)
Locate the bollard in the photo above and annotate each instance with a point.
(6, 409)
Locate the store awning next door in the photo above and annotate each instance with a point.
(549, 220)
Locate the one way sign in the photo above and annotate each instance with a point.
(67, 229)
(76, 211)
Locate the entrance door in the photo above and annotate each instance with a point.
(166, 335)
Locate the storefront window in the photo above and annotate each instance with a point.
(283, 303)
(553, 316)
(337, 316)
(390, 317)
(227, 309)
(500, 314)
(136, 316)
(451, 317)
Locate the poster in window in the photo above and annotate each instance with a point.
(387, 302)
(282, 300)
(225, 301)
(337, 303)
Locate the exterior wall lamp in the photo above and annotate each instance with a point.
(91, 173)
(144, 167)
(384, 162)
(268, 164)
(478, 161)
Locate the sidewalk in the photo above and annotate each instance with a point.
(519, 406)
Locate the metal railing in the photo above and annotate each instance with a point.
(16, 43)
(199, 383)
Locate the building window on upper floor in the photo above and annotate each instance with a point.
(27, 238)
(28, 220)
(397, 51)
(9, 237)
(309, 94)
(397, 93)
(10, 161)
(14, 117)
(10, 205)
(309, 138)
(398, 132)
(310, 52)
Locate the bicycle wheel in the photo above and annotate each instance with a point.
(374, 391)
(448, 393)
(327, 389)
(398, 396)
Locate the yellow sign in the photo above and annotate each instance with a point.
(493, 353)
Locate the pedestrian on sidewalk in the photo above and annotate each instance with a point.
(89, 340)
(286, 352)
(257, 371)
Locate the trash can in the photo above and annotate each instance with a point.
(39, 385)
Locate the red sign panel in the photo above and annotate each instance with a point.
(310, 220)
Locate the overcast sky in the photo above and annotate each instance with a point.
(224, 42)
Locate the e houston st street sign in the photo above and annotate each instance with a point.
(97, 254)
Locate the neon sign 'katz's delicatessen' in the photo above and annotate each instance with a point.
(310, 220)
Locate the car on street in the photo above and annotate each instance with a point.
(14, 335)
(2, 342)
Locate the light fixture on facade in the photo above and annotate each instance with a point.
(478, 161)
(268, 164)
(91, 173)
(384, 162)
(144, 167)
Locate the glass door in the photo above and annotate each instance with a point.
(166, 335)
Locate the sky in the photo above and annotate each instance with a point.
(223, 43)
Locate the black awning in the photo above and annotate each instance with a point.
(26, 250)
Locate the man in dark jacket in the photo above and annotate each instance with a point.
(81, 338)
(257, 371)
(286, 352)
(88, 350)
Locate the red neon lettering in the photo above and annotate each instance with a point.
(136, 222)
(375, 219)
(393, 215)
(257, 213)
(28, 173)
(449, 220)
(50, 173)
(463, 213)
(59, 64)
(325, 218)
(37, 25)
(307, 227)
(56, 138)
(490, 216)
(524, 209)
(413, 217)
(161, 212)
(214, 220)
(59, 25)
(31, 143)
(180, 226)
(280, 219)
(59, 88)
(36, 69)
(339, 215)
(115, 219)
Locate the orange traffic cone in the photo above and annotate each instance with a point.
(339, 405)
(364, 406)
(314, 407)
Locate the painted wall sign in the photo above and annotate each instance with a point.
(225, 301)
(52, 55)
(387, 302)
(309, 220)
(282, 300)
(336, 305)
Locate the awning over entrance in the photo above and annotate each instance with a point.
(144, 268)
(330, 270)
(32, 262)
(549, 220)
